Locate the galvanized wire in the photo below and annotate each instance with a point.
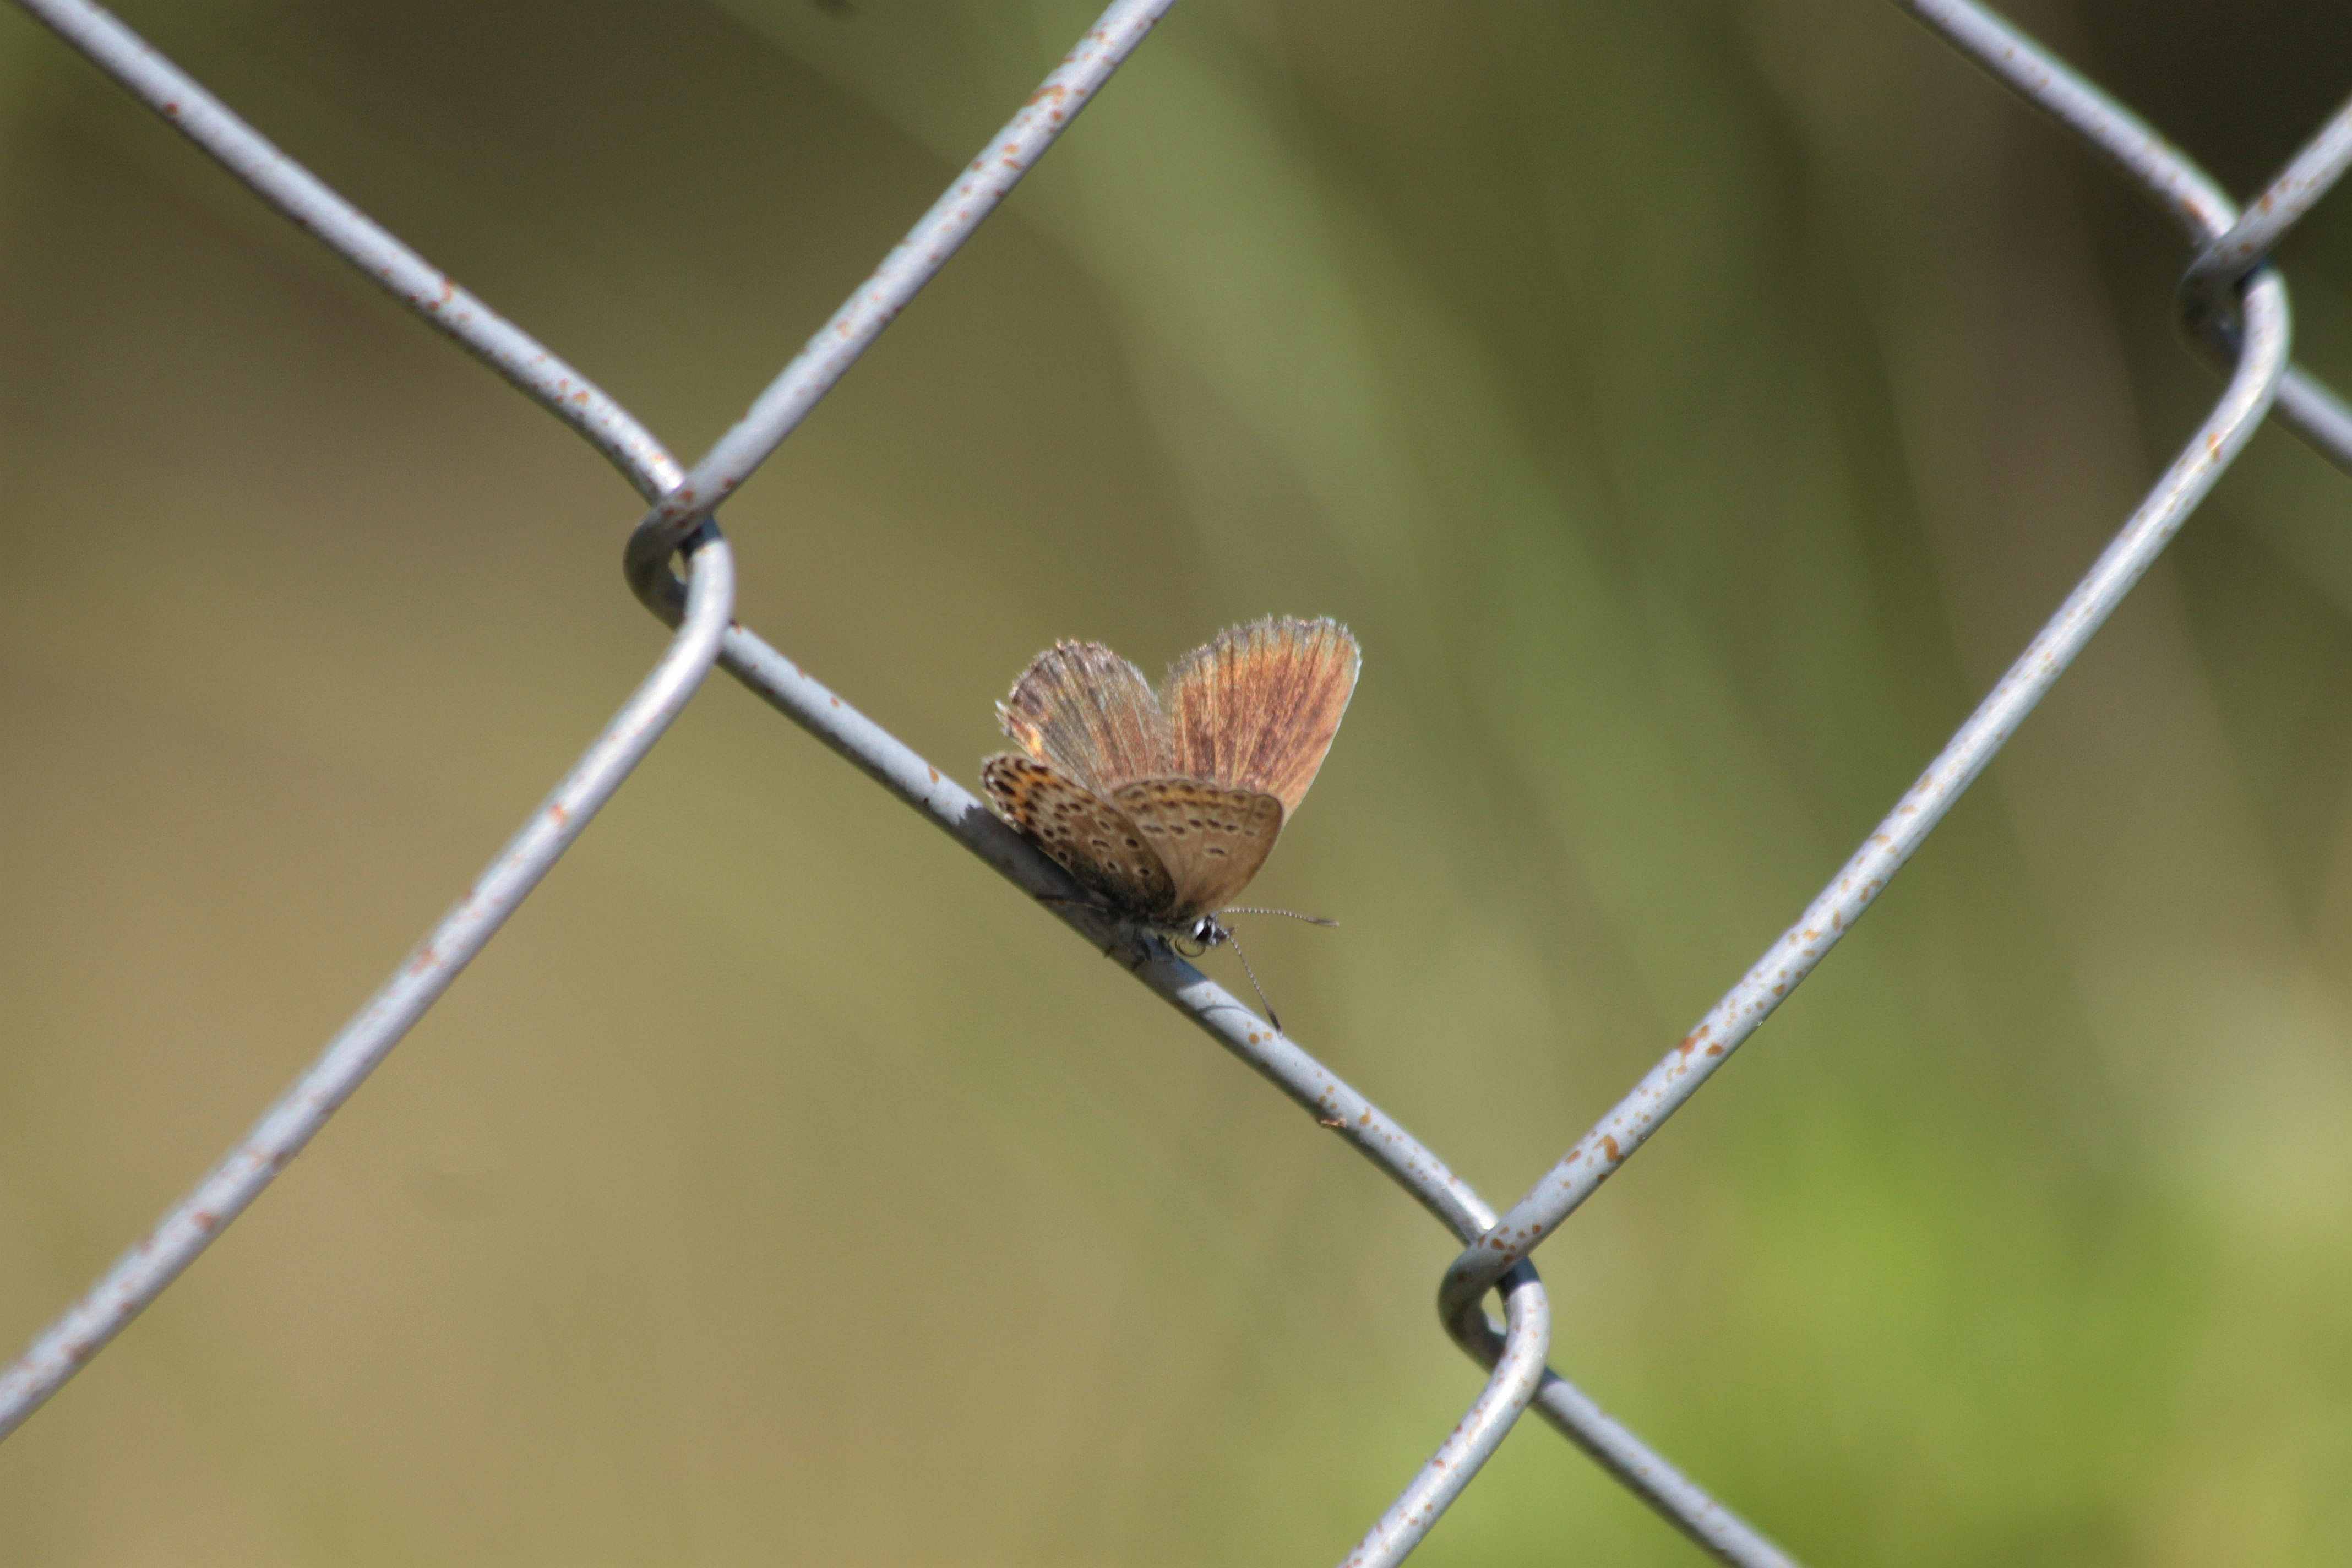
(1743, 1009)
(196, 1220)
(2229, 245)
(2191, 196)
(1515, 1355)
(190, 1224)
(2225, 261)
(407, 277)
(912, 263)
(2227, 297)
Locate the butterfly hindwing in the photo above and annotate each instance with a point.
(1257, 707)
(1210, 840)
(1086, 835)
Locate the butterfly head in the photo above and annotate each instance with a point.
(1199, 937)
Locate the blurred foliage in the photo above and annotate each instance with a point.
(1692, 407)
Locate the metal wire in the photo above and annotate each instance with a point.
(1743, 1009)
(2191, 196)
(912, 263)
(190, 1224)
(2229, 247)
(2228, 298)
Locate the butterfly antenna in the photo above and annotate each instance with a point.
(1287, 914)
(1270, 1016)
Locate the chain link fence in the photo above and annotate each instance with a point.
(679, 565)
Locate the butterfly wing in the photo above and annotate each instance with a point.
(1210, 840)
(1256, 709)
(1089, 714)
(1088, 835)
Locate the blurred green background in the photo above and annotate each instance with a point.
(1692, 407)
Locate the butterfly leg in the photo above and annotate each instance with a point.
(1095, 905)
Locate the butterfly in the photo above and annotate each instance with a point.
(1164, 805)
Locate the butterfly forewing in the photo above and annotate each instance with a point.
(1256, 709)
(1091, 714)
(1088, 835)
(1210, 840)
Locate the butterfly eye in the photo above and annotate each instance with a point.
(1199, 937)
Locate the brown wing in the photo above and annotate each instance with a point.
(1256, 709)
(1210, 840)
(1087, 835)
(1091, 714)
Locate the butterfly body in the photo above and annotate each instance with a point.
(1164, 805)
